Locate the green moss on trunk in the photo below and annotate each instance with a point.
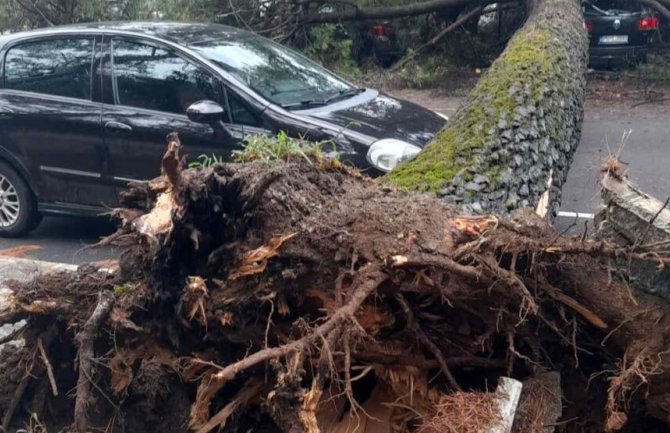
(532, 92)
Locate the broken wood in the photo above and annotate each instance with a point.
(219, 420)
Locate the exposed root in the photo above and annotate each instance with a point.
(31, 369)
(255, 261)
(243, 397)
(633, 375)
(195, 296)
(47, 365)
(85, 340)
(440, 359)
(298, 297)
(587, 314)
(16, 399)
(463, 412)
(12, 317)
(371, 277)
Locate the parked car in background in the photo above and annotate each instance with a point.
(372, 38)
(85, 109)
(620, 31)
(379, 41)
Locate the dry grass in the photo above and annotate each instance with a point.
(463, 412)
(612, 166)
(532, 411)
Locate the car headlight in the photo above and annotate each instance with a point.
(444, 116)
(386, 154)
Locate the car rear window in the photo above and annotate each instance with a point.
(613, 5)
(60, 67)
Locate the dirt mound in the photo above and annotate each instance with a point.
(301, 296)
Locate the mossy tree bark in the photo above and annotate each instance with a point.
(514, 137)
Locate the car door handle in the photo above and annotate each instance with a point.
(118, 128)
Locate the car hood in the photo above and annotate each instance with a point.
(382, 116)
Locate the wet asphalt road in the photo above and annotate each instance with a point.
(67, 240)
(647, 151)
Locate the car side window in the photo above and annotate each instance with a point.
(60, 67)
(240, 113)
(159, 79)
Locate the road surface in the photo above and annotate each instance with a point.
(646, 150)
(641, 139)
(67, 240)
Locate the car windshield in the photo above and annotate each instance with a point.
(279, 74)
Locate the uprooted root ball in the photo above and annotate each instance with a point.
(300, 296)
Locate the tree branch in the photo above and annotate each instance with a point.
(387, 12)
(658, 6)
(453, 26)
(35, 9)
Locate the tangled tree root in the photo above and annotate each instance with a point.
(463, 412)
(85, 340)
(302, 297)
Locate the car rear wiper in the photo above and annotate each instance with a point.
(346, 93)
(597, 9)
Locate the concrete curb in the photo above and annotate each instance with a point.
(14, 268)
(629, 215)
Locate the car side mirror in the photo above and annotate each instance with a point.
(205, 111)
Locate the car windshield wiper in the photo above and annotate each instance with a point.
(304, 104)
(343, 94)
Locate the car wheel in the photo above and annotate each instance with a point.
(18, 211)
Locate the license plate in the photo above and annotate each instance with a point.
(614, 39)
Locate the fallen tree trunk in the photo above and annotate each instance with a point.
(300, 296)
(511, 142)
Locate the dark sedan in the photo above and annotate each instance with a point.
(85, 109)
(620, 31)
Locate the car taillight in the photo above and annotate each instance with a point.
(381, 30)
(589, 25)
(649, 23)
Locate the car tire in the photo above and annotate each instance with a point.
(18, 208)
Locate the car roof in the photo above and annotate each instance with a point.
(177, 32)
